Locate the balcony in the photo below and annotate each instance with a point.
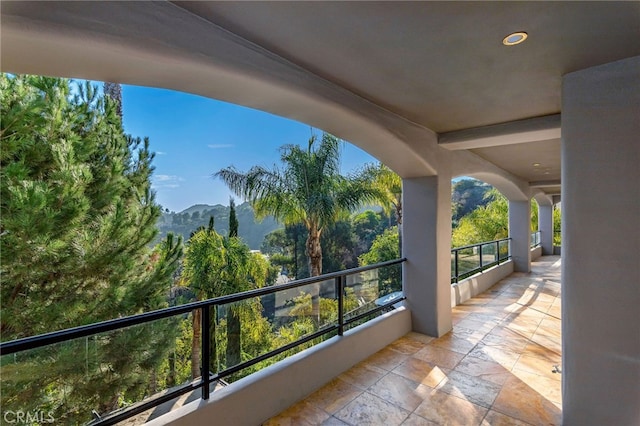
(499, 365)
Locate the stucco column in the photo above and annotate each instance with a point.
(545, 225)
(520, 233)
(427, 246)
(601, 245)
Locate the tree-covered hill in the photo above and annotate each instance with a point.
(188, 221)
(466, 196)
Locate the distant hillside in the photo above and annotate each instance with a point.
(188, 220)
(466, 196)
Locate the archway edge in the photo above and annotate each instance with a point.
(134, 47)
(465, 163)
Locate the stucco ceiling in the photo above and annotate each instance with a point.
(413, 69)
(440, 64)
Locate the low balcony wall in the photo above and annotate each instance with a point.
(255, 398)
(479, 283)
(536, 252)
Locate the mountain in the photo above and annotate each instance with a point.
(190, 219)
(466, 196)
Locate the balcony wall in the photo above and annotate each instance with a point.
(479, 283)
(258, 397)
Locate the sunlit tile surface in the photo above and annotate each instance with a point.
(500, 365)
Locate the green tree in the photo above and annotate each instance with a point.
(486, 223)
(216, 266)
(366, 227)
(309, 190)
(385, 247)
(557, 226)
(388, 187)
(77, 216)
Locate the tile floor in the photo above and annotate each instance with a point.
(496, 367)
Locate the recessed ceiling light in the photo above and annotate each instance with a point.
(536, 164)
(514, 38)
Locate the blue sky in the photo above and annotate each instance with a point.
(193, 137)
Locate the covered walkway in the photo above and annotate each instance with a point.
(500, 365)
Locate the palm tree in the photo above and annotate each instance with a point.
(214, 266)
(389, 187)
(309, 190)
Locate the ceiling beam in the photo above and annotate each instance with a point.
(544, 183)
(529, 130)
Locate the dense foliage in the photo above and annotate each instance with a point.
(78, 215)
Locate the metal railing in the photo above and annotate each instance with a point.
(474, 258)
(535, 239)
(333, 284)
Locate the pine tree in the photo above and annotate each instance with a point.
(114, 91)
(77, 216)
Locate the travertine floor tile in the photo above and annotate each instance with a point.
(400, 391)
(416, 420)
(486, 370)
(362, 375)
(302, 413)
(421, 372)
(386, 359)
(517, 399)
(444, 409)
(407, 345)
(332, 421)
(493, 418)
(471, 388)
(500, 356)
(334, 395)
(438, 356)
(504, 338)
(422, 338)
(547, 388)
(368, 409)
(455, 342)
(537, 365)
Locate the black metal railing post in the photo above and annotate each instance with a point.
(340, 291)
(456, 265)
(204, 356)
(498, 252)
(480, 252)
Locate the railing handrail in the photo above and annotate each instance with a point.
(480, 244)
(482, 266)
(41, 340)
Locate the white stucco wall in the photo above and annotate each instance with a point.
(601, 245)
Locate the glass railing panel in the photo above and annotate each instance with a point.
(256, 326)
(453, 265)
(489, 253)
(503, 249)
(366, 291)
(80, 380)
(468, 260)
